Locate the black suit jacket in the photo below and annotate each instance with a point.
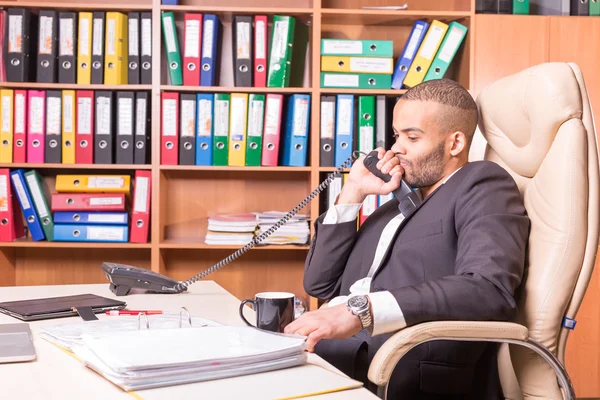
(459, 256)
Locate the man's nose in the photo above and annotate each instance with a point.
(398, 148)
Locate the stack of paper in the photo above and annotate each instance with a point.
(295, 231)
(143, 359)
(237, 229)
(70, 335)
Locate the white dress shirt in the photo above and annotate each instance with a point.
(386, 313)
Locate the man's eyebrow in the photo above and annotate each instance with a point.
(412, 129)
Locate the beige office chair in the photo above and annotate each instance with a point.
(538, 125)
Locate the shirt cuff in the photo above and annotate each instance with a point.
(340, 213)
(386, 313)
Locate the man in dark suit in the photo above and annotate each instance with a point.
(459, 256)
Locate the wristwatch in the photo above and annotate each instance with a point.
(359, 306)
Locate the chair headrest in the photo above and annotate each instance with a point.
(520, 114)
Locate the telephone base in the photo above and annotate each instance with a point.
(119, 290)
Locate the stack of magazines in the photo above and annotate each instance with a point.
(295, 231)
(136, 359)
(232, 229)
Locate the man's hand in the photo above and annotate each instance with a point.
(325, 323)
(361, 182)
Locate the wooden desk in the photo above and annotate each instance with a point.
(57, 375)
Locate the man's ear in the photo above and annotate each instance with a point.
(458, 143)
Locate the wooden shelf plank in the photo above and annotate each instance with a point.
(191, 244)
(27, 243)
(76, 166)
(332, 169)
(234, 89)
(71, 86)
(76, 6)
(237, 169)
(387, 92)
(371, 17)
(239, 10)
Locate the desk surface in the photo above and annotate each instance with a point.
(57, 375)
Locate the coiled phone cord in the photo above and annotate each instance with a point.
(257, 239)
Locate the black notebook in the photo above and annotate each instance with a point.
(55, 307)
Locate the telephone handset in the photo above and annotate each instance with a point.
(123, 278)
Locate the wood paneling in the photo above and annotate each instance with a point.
(506, 44)
(575, 39)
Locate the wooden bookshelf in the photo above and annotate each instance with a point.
(184, 196)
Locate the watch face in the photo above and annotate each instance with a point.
(357, 302)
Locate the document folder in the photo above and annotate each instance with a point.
(55, 307)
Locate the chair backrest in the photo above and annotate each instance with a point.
(538, 125)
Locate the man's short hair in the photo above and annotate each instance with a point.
(461, 111)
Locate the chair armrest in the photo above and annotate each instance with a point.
(398, 345)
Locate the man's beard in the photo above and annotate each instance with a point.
(428, 169)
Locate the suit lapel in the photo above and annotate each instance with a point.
(400, 227)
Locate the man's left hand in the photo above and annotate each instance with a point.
(325, 323)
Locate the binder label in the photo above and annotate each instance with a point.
(327, 117)
(243, 40)
(340, 80)
(97, 233)
(20, 113)
(97, 39)
(344, 117)
(53, 127)
(111, 33)
(272, 116)
(366, 138)
(100, 182)
(454, 38)
(221, 118)
(3, 194)
(342, 47)
(38, 199)
(125, 112)
(207, 39)
(21, 192)
(169, 34)
(107, 218)
(105, 201)
(140, 118)
(369, 205)
(412, 43)
(204, 117)
(280, 40)
(66, 37)
(133, 36)
(84, 115)
(188, 112)
(46, 34)
(141, 194)
(238, 105)
(68, 114)
(146, 37)
(15, 33)
(169, 114)
(433, 38)
(192, 38)
(255, 118)
(6, 113)
(103, 116)
(300, 118)
(84, 36)
(371, 64)
(36, 115)
(260, 40)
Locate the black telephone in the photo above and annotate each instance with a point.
(123, 278)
